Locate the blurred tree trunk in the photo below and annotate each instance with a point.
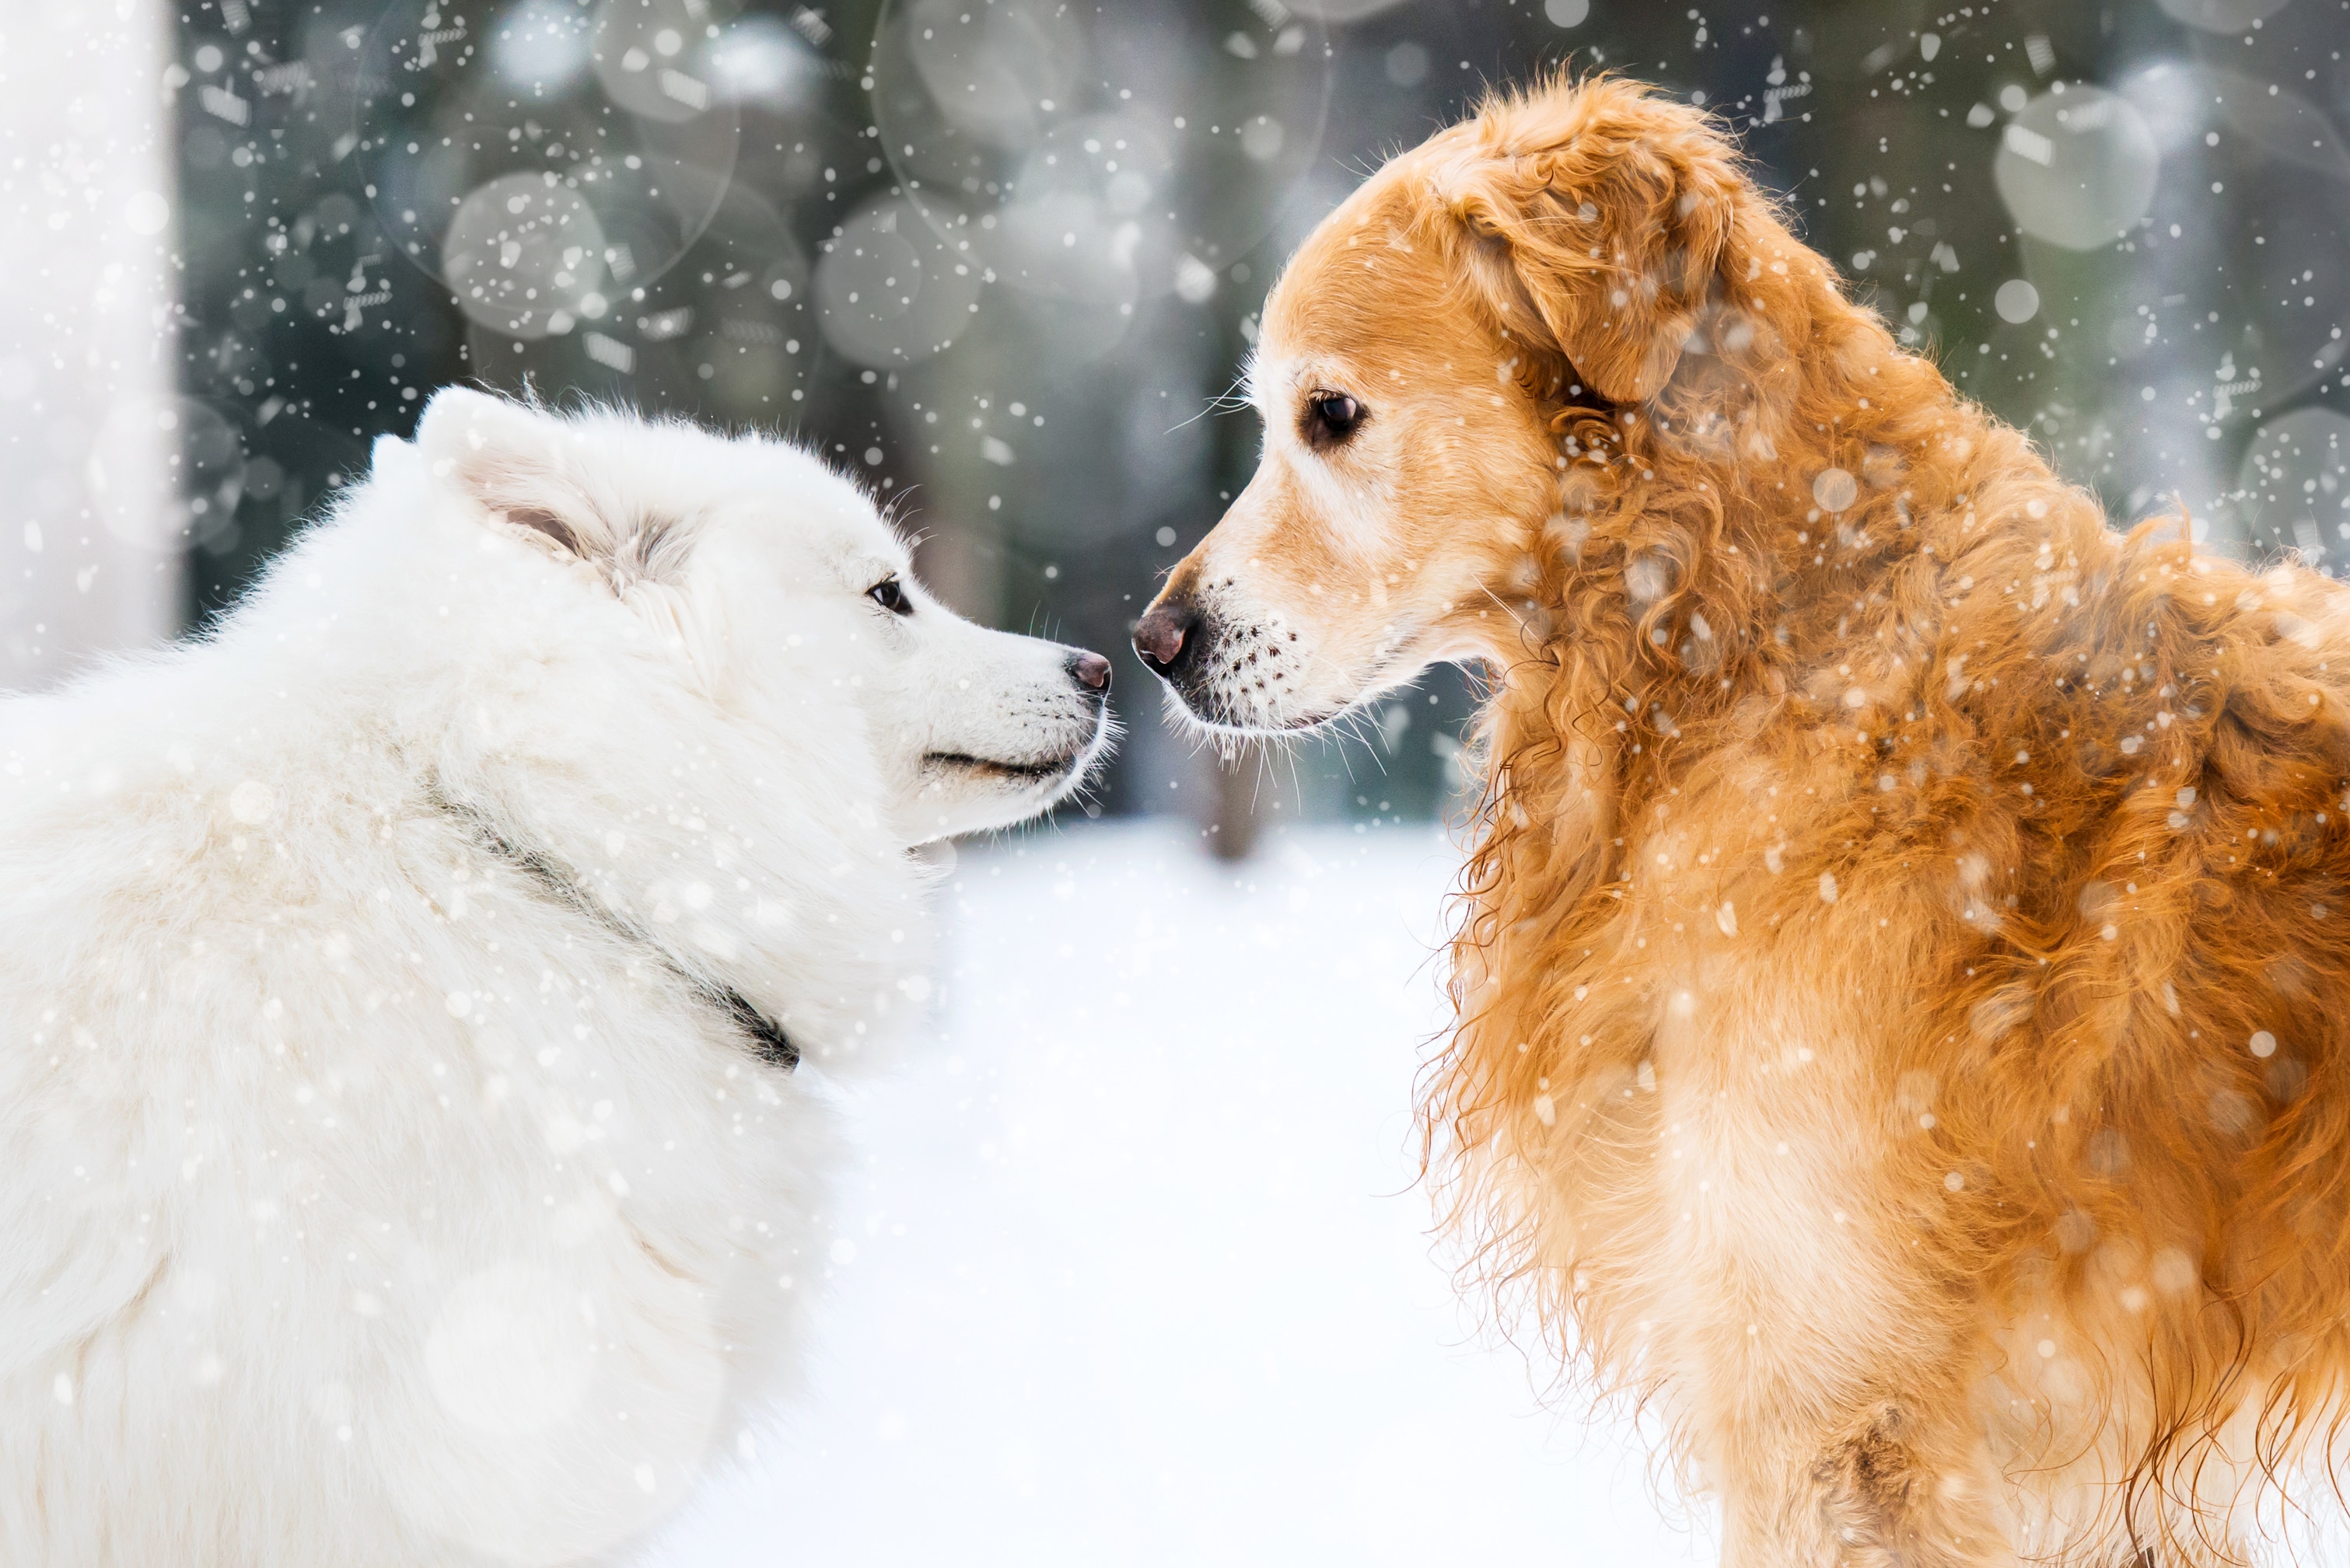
(1233, 832)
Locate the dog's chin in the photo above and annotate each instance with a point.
(1203, 715)
(1003, 776)
(970, 792)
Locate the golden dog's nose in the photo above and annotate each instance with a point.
(1163, 636)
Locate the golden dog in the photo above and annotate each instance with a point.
(1901, 986)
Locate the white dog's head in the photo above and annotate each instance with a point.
(738, 555)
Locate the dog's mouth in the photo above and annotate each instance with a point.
(1003, 771)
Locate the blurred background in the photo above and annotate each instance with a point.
(1001, 258)
(1130, 1269)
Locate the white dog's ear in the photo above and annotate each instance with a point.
(511, 463)
(533, 472)
(387, 452)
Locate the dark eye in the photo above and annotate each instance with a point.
(890, 596)
(1330, 419)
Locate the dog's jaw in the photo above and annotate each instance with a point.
(956, 791)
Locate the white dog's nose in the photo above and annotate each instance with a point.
(1090, 670)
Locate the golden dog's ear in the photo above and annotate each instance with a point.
(1595, 223)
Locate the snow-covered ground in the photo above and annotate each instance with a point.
(1132, 1271)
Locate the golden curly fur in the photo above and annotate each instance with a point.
(1901, 981)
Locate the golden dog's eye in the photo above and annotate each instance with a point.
(890, 596)
(1330, 419)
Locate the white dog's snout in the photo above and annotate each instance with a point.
(1090, 670)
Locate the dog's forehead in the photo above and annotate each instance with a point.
(837, 523)
(1369, 288)
(805, 507)
(1397, 349)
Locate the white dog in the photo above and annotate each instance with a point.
(401, 992)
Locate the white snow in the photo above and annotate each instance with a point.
(1133, 1271)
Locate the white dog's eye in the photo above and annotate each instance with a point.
(891, 595)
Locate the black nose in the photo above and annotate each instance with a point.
(1163, 636)
(1090, 670)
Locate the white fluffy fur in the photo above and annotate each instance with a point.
(363, 1202)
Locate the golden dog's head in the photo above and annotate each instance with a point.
(1471, 355)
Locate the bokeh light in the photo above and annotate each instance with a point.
(2229, 18)
(514, 1351)
(1098, 152)
(2255, 172)
(526, 153)
(524, 255)
(2076, 168)
(891, 290)
(2295, 486)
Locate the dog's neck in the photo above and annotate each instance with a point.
(1770, 499)
(1796, 636)
(1730, 544)
(559, 884)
